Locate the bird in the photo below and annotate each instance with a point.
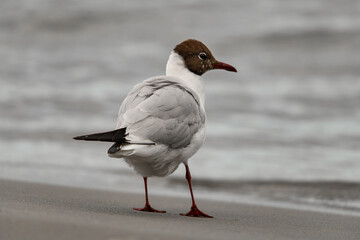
(161, 122)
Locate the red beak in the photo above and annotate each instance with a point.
(225, 66)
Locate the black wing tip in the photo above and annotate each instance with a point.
(79, 138)
(117, 135)
(114, 148)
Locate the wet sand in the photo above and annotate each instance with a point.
(37, 211)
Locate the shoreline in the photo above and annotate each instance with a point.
(41, 211)
(336, 197)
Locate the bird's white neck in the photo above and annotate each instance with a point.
(175, 67)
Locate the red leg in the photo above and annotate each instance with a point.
(147, 207)
(194, 211)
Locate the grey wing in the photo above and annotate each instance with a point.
(168, 114)
(138, 94)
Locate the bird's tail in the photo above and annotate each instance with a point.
(117, 136)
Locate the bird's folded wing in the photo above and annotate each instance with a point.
(161, 111)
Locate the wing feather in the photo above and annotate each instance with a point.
(162, 111)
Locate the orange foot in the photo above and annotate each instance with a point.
(148, 208)
(195, 212)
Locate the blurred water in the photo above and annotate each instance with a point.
(291, 113)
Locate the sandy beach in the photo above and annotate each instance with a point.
(39, 211)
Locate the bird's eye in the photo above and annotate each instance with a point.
(202, 56)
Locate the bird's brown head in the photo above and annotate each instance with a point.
(198, 58)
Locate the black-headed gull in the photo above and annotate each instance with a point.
(161, 122)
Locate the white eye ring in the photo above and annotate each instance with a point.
(202, 56)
